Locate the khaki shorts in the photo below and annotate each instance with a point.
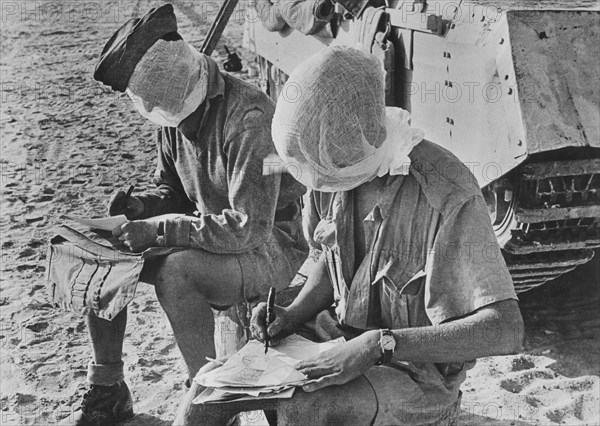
(401, 401)
(272, 264)
(275, 263)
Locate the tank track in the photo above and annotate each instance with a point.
(557, 219)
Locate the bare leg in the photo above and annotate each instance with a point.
(186, 282)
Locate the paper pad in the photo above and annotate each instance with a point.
(252, 373)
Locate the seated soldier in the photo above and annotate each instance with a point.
(246, 233)
(411, 272)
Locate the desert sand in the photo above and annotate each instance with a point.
(67, 143)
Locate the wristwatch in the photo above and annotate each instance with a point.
(160, 235)
(387, 344)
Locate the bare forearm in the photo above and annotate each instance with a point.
(494, 330)
(316, 295)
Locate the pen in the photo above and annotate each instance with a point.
(270, 314)
(126, 198)
(219, 363)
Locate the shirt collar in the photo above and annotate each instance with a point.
(215, 90)
(384, 204)
(216, 82)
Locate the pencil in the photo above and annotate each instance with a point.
(270, 315)
(219, 363)
(126, 198)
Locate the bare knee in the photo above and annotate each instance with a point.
(217, 278)
(170, 280)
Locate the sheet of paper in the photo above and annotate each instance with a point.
(104, 223)
(251, 367)
(254, 391)
(250, 370)
(212, 395)
(299, 348)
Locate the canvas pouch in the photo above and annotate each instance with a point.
(90, 275)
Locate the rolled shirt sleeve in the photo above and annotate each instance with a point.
(465, 270)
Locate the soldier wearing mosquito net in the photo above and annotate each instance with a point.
(239, 231)
(410, 272)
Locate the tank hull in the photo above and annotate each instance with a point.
(513, 93)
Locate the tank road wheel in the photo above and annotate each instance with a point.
(500, 199)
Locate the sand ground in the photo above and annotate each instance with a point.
(67, 143)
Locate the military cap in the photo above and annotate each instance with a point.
(127, 46)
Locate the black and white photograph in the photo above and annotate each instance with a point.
(300, 212)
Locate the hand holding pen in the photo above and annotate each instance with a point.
(123, 203)
(270, 314)
(270, 325)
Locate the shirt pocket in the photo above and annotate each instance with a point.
(402, 293)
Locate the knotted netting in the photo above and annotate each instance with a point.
(169, 82)
(331, 127)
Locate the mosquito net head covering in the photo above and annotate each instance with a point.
(331, 127)
(169, 82)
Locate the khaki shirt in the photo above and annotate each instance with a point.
(219, 172)
(432, 256)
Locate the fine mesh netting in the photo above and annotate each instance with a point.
(331, 127)
(169, 82)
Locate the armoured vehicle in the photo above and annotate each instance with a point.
(513, 92)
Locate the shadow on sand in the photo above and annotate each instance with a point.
(144, 419)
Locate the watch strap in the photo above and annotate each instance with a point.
(386, 354)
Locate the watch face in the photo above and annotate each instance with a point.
(388, 343)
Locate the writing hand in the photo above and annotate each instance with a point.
(281, 327)
(133, 207)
